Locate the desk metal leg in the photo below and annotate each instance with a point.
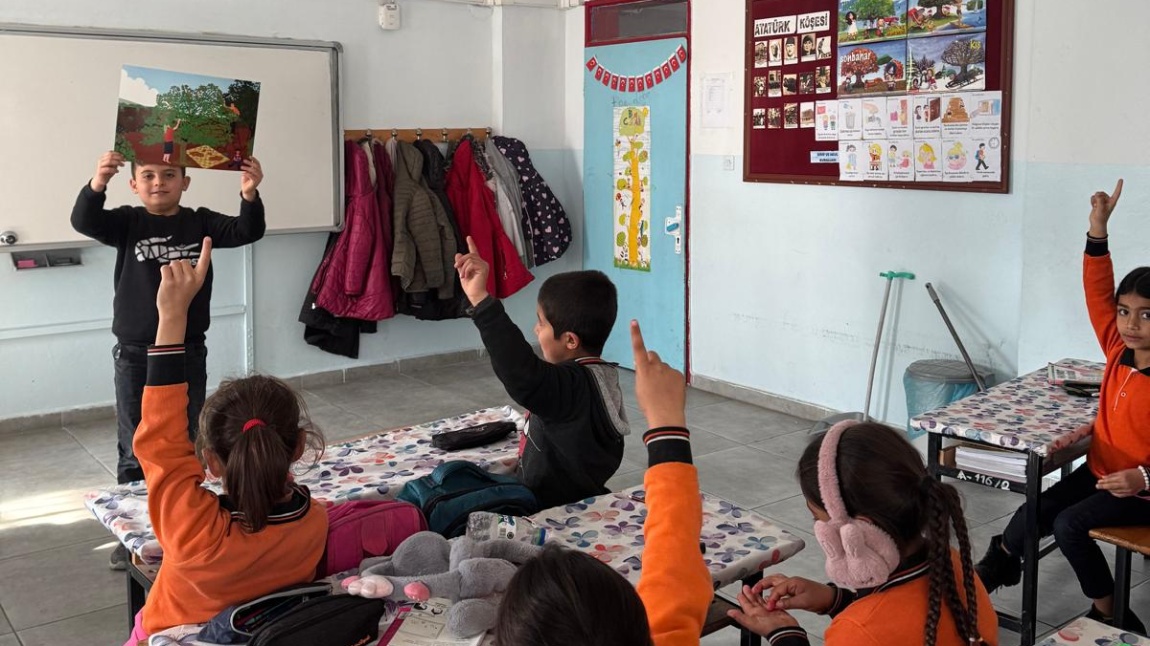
(1121, 585)
(136, 593)
(933, 448)
(1030, 554)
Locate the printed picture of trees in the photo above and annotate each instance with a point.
(186, 119)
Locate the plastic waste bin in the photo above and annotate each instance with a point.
(934, 383)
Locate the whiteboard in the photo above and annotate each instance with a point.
(58, 115)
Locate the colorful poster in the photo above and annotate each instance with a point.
(900, 160)
(898, 117)
(987, 154)
(927, 167)
(849, 169)
(927, 116)
(873, 118)
(955, 116)
(935, 17)
(186, 119)
(876, 161)
(959, 161)
(985, 113)
(850, 119)
(827, 121)
(875, 68)
(947, 63)
(633, 187)
(807, 114)
(862, 21)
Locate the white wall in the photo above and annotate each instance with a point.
(437, 71)
(788, 275)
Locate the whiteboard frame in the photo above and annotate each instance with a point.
(335, 53)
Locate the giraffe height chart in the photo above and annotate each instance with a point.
(632, 187)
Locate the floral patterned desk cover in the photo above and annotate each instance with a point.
(1083, 631)
(370, 468)
(737, 542)
(1023, 414)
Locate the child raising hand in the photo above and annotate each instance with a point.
(265, 532)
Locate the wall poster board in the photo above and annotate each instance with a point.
(879, 93)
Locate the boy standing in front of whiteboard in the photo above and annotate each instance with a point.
(147, 237)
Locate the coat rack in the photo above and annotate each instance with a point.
(411, 135)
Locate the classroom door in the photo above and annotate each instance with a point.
(634, 189)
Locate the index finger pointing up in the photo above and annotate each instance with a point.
(471, 248)
(1117, 192)
(637, 346)
(205, 260)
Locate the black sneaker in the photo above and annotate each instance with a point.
(1130, 622)
(997, 568)
(119, 558)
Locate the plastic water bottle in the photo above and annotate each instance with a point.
(484, 525)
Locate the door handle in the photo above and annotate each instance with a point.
(673, 226)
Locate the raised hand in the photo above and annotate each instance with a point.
(180, 281)
(109, 164)
(473, 271)
(253, 174)
(660, 389)
(1101, 207)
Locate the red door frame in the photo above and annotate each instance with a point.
(686, 224)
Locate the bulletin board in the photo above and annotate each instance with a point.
(909, 94)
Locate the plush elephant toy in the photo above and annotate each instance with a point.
(472, 574)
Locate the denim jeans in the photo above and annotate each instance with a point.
(131, 375)
(1069, 510)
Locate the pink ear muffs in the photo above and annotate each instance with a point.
(859, 554)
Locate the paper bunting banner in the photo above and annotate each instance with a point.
(641, 82)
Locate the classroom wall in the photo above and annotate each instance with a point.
(787, 276)
(439, 70)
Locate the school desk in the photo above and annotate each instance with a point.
(1087, 631)
(1025, 415)
(374, 467)
(736, 543)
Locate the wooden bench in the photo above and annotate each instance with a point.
(1128, 540)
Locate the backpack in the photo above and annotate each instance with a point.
(366, 528)
(335, 620)
(448, 495)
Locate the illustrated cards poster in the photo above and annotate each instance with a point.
(935, 17)
(873, 68)
(864, 21)
(948, 63)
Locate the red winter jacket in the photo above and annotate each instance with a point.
(354, 280)
(474, 206)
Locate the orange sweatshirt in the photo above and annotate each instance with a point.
(675, 585)
(1122, 428)
(210, 563)
(895, 613)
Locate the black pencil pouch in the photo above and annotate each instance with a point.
(466, 438)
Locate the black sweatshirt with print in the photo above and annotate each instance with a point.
(144, 242)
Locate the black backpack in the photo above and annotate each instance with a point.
(336, 620)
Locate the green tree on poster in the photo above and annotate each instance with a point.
(246, 97)
(859, 66)
(871, 9)
(963, 54)
(203, 115)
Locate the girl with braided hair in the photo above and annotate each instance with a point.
(886, 527)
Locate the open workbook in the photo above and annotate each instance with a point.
(425, 624)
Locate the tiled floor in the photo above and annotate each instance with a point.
(55, 587)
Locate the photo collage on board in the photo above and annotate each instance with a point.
(912, 102)
(793, 66)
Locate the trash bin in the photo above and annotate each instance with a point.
(934, 383)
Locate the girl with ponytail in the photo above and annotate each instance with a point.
(265, 532)
(886, 527)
